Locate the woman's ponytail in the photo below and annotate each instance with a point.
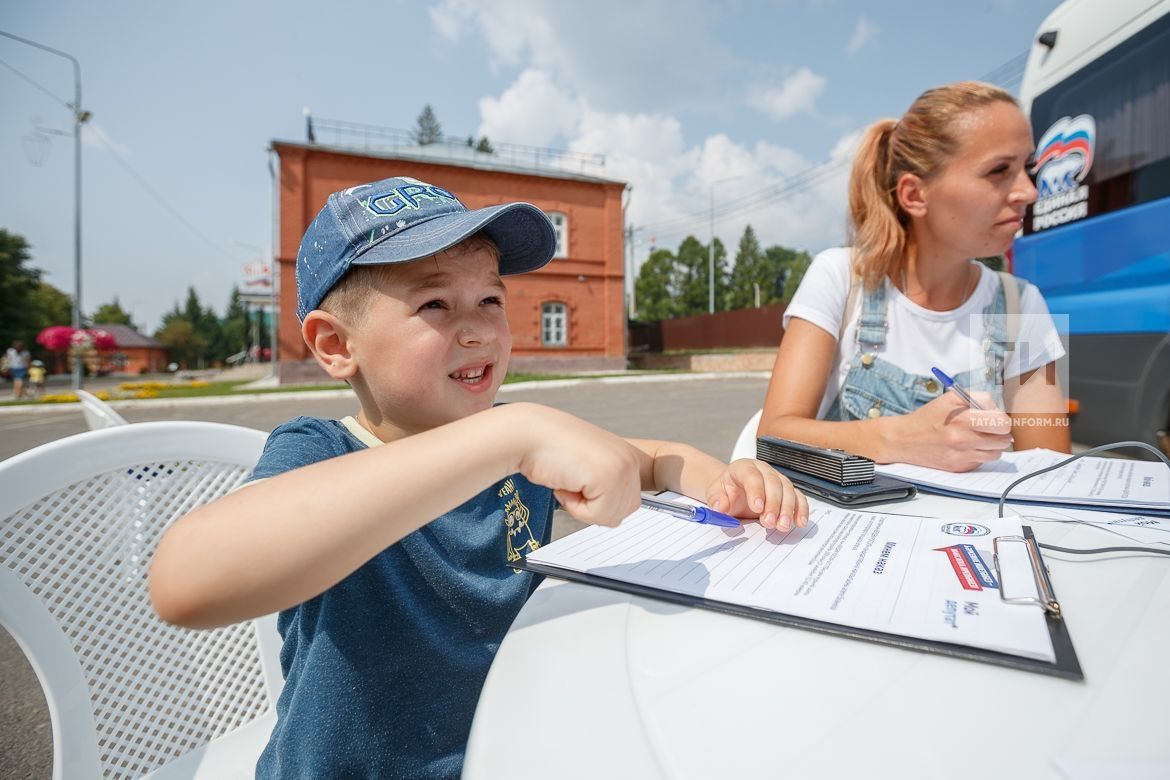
(876, 230)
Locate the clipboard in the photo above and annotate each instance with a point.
(1067, 666)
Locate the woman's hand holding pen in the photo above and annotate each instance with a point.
(950, 435)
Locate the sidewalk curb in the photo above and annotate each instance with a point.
(217, 400)
(622, 380)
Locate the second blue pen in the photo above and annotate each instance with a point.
(949, 384)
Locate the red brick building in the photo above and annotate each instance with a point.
(570, 315)
(134, 353)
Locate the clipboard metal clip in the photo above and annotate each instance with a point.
(1047, 598)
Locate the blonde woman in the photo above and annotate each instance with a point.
(929, 193)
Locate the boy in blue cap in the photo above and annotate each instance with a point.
(386, 540)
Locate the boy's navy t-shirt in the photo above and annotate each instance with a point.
(383, 670)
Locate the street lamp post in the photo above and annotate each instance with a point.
(80, 117)
(711, 248)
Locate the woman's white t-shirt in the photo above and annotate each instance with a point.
(917, 338)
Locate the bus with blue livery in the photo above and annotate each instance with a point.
(1097, 240)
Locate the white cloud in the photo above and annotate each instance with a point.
(863, 33)
(846, 145)
(649, 55)
(671, 181)
(95, 135)
(450, 17)
(798, 94)
(532, 111)
(654, 138)
(780, 159)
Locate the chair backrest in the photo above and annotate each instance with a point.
(79, 521)
(98, 413)
(745, 445)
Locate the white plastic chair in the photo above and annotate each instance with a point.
(745, 445)
(98, 413)
(129, 695)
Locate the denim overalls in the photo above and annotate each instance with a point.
(874, 387)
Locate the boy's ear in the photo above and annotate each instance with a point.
(911, 194)
(328, 340)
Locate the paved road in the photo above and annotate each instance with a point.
(707, 413)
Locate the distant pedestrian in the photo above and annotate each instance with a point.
(16, 361)
(36, 379)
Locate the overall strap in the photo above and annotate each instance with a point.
(1011, 306)
(871, 328)
(872, 324)
(850, 302)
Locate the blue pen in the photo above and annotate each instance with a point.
(949, 384)
(696, 514)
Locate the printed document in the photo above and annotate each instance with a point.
(1100, 482)
(915, 577)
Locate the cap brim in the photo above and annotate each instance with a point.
(521, 231)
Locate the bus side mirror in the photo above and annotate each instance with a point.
(1047, 39)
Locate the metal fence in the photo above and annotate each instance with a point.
(374, 138)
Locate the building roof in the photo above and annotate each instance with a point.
(125, 336)
(447, 154)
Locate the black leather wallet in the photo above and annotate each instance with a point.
(882, 489)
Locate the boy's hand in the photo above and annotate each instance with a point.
(751, 488)
(593, 473)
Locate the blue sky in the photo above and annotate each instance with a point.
(676, 93)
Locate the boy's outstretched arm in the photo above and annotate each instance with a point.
(287, 539)
(745, 488)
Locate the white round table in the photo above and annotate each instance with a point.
(594, 683)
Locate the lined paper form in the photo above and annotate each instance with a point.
(1143, 529)
(1104, 482)
(915, 577)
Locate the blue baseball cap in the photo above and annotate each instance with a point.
(401, 219)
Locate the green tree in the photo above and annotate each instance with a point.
(51, 306)
(427, 129)
(263, 329)
(206, 326)
(749, 274)
(485, 146)
(192, 334)
(235, 334)
(112, 314)
(693, 265)
(184, 345)
(18, 281)
(656, 289)
(786, 267)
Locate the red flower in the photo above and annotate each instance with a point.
(101, 339)
(56, 338)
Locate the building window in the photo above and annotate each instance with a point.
(561, 226)
(554, 324)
